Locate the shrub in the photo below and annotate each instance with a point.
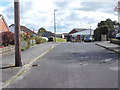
(38, 39)
(7, 38)
(25, 47)
(25, 36)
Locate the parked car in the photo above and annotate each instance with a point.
(45, 38)
(88, 38)
(118, 36)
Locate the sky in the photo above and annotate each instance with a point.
(70, 14)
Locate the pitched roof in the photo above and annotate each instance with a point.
(85, 32)
(47, 34)
(1, 17)
(25, 29)
(76, 30)
(79, 29)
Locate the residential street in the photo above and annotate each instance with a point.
(72, 65)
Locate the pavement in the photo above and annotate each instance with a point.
(29, 56)
(109, 46)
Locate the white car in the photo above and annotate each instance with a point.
(88, 38)
(118, 36)
(45, 38)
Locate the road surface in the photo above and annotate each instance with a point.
(72, 65)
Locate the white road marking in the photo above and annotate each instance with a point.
(114, 68)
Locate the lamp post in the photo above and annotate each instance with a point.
(90, 31)
(17, 33)
(55, 24)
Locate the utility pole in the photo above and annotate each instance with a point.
(17, 33)
(55, 25)
(32, 39)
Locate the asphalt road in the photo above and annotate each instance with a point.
(72, 65)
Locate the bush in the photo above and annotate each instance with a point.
(39, 40)
(26, 36)
(25, 47)
(7, 38)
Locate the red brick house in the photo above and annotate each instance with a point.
(76, 30)
(3, 25)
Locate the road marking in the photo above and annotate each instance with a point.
(83, 63)
(114, 68)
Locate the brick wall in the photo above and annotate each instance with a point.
(7, 51)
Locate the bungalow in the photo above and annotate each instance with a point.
(76, 30)
(80, 36)
(47, 34)
(23, 29)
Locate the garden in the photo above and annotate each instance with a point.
(27, 40)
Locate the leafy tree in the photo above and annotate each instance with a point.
(41, 31)
(102, 23)
(110, 24)
(7, 38)
(107, 22)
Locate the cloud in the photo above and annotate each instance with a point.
(70, 14)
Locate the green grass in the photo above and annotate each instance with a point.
(115, 39)
(60, 40)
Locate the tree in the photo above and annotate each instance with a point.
(41, 31)
(7, 38)
(108, 22)
(102, 23)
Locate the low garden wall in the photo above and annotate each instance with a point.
(7, 51)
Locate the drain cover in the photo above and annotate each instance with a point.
(35, 65)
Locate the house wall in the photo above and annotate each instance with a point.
(12, 29)
(3, 27)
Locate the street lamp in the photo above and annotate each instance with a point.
(55, 24)
(90, 31)
(17, 33)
